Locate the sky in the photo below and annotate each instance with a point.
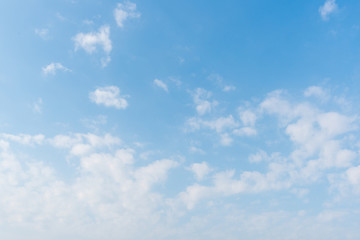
(179, 119)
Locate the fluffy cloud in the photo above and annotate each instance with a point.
(161, 85)
(108, 190)
(327, 9)
(319, 145)
(53, 67)
(124, 11)
(91, 41)
(108, 96)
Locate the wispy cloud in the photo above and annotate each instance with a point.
(125, 11)
(37, 106)
(161, 85)
(108, 96)
(43, 33)
(327, 9)
(53, 67)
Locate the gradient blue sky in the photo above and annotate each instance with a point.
(179, 119)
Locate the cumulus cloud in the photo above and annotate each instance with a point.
(124, 11)
(90, 42)
(52, 68)
(317, 137)
(161, 85)
(108, 96)
(112, 192)
(327, 9)
(109, 190)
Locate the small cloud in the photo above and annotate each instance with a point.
(37, 106)
(125, 11)
(94, 123)
(43, 33)
(316, 91)
(181, 60)
(201, 97)
(176, 81)
(108, 96)
(105, 61)
(60, 17)
(53, 67)
(90, 41)
(161, 85)
(88, 22)
(219, 80)
(327, 9)
(196, 150)
(229, 88)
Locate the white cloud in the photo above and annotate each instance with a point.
(43, 33)
(108, 96)
(219, 124)
(91, 41)
(161, 85)
(194, 149)
(225, 139)
(245, 131)
(105, 61)
(228, 88)
(53, 67)
(24, 139)
(353, 175)
(327, 9)
(109, 190)
(37, 106)
(318, 92)
(201, 97)
(200, 170)
(124, 11)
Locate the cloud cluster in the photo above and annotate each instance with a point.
(320, 148)
(110, 189)
(225, 126)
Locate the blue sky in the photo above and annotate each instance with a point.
(179, 119)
